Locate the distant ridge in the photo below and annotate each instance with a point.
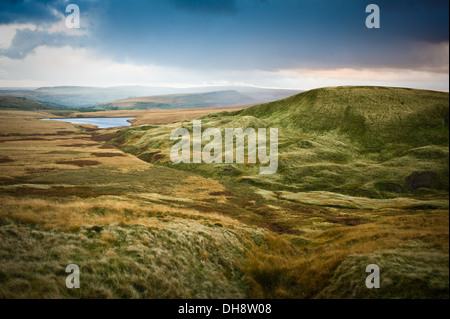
(21, 103)
(173, 101)
(91, 97)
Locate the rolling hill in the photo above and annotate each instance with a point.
(359, 141)
(20, 103)
(362, 179)
(68, 96)
(89, 97)
(180, 101)
(372, 116)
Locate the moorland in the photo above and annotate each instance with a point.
(362, 179)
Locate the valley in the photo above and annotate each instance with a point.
(362, 179)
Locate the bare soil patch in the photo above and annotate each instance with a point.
(5, 159)
(107, 154)
(79, 163)
(78, 145)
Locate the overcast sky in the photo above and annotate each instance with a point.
(297, 44)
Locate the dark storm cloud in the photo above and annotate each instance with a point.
(207, 6)
(23, 11)
(254, 34)
(273, 34)
(39, 11)
(43, 14)
(417, 19)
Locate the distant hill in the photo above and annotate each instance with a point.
(89, 97)
(20, 103)
(360, 141)
(68, 97)
(180, 101)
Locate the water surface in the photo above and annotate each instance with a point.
(100, 122)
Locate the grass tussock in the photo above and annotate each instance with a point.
(357, 141)
(331, 264)
(362, 179)
(177, 261)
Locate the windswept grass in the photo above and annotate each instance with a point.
(362, 179)
(332, 263)
(359, 141)
(179, 260)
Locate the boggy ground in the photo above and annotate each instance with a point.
(139, 230)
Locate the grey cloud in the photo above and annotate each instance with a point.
(22, 11)
(25, 41)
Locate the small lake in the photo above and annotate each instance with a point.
(100, 122)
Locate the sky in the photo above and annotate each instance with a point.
(295, 44)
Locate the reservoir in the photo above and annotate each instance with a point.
(100, 122)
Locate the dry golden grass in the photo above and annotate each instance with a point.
(145, 231)
(123, 262)
(158, 117)
(279, 273)
(64, 215)
(26, 123)
(53, 153)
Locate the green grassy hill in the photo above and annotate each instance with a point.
(359, 141)
(344, 197)
(21, 103)
(372, 116)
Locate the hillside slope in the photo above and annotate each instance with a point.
(147, 231)
(20, 103)
(370, 115)
(88, 97)
(179, 101)
(358, 141)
